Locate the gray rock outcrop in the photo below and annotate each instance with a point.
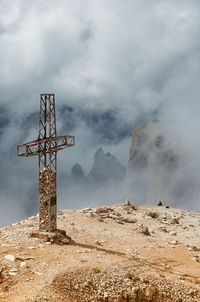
(77, 173)
(152, 164)
(106, 168)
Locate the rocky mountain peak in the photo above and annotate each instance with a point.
(106, 167)
(99, 154)
(77, 171)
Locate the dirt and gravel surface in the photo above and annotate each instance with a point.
(122, 252)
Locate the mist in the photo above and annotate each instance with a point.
(113, 66)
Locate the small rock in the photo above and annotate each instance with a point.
(85, 210)
(159, 204)
(163, 229)
(31, 247)
(113, 216)
(65, 241)
(37, 273)
(195, 258)
(86, 251)
(86, 284)
(102, 210)
(119, 221)
(12, 274)
(144, 230)
(127, 203)
(153, 214)
(13, 270)
(193, 248)
(129, 220)
(10, 258)
(175, 221)
(100, 219)
(23, 264)
(98, 242)
(91, 215)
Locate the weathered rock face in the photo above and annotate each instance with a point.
(106, 168)
(152, 163)
(150, 146)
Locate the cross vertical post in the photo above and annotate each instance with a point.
(47, 164)
(46, 147)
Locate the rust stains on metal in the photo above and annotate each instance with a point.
(46, 147)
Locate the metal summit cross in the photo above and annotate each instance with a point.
(46, 147)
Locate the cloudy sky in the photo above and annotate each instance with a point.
(112, 64)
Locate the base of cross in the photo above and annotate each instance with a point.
(57, 236)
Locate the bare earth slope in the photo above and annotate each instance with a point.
(119, 253)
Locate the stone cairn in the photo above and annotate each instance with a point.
(47, 191)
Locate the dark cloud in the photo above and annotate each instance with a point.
(106, 125)
(4, 118)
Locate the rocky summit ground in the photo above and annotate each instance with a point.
(123, 252)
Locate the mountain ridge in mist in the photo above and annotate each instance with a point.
(105, 168)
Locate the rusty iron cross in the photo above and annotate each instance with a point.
(46, 147)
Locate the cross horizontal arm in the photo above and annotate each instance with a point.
(47, 145)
